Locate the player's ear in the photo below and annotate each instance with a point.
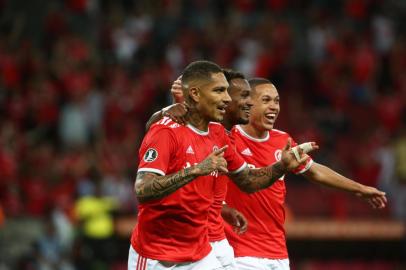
(194, 93)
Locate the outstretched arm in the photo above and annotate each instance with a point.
(324, 175)
(251, 180)
(150, 186)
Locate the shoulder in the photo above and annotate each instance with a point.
(279, 137)
(278, 133)
(217, 128)
(165, 129)
(235, 130)
(166, 123)
(216, 125)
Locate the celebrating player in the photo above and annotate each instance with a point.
(177, 171)
(263, 246)
(237, 112)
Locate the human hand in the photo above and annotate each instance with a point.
(293, 158)
(213, 162)
(373, 196)
(234, 218)
(176, 90)
(176, 112)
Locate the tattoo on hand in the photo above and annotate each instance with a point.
(205, 167)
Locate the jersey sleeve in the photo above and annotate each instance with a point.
(235, 163)
(156, 151)
(304, 167)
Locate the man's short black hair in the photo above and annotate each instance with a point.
(200, 70)
(254, 82)
(232, 74)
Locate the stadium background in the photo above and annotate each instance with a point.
(79, 79)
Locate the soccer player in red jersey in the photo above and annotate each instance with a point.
(263, 246)
(178, 168)
(237, 112)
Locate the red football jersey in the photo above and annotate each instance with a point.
(174, 228)
(264, 210)
(216, 221)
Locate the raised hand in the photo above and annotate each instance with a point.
(293, 159)
(373, 196)
(213, 162)
(176, 112)
(176, 90)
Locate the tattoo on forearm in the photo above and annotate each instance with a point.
(149, 186)
(251, 180)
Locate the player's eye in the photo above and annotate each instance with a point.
(244, 93)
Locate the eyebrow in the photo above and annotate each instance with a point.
(220, 88)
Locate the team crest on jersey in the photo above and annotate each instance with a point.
(278, 155)
(150, 155)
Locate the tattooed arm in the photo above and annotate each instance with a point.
(150, 186)
(251, 180)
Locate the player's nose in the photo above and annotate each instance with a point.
(226, 98)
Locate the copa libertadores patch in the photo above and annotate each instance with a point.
(150, 155)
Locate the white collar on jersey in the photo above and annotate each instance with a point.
(198, 131)
(245, 134)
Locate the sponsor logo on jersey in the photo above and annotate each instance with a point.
(246, 152)
(150, 155)
(190, 150)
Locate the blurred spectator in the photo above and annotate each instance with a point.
(94, 214)
(50, 251)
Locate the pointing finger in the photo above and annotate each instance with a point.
(221, 150)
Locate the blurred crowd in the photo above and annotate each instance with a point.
(80, 78)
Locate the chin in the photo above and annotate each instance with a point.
(268, 126)
(218, 119)
(243, 121)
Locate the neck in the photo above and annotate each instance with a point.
(254, 132)
(196, 119)
(227, 123)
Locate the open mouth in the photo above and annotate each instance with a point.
(246, 111)
(270, 117)
(222, 109)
